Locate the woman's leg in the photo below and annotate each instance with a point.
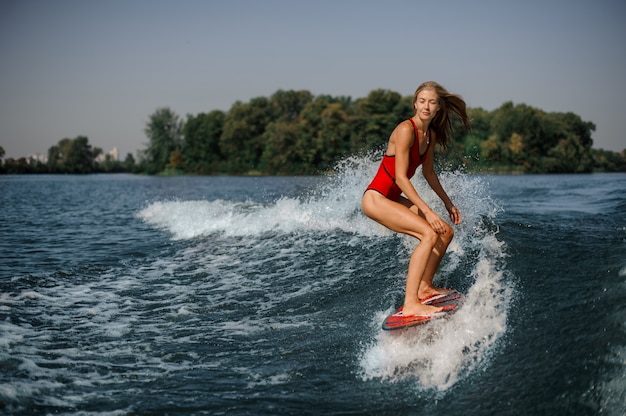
(439, 250)
(426, 287)
(399, 218)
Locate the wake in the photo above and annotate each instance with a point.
(436, 355)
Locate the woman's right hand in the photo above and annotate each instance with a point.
(435, 221)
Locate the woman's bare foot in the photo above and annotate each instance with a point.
(419, 309)
(427, 291)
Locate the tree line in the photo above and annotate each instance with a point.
(73, 156)
(297, 133)
(294, 132)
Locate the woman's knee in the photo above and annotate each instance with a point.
(430, 237)
(446, 237)
(448, 234)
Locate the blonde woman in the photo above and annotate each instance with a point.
(411, 144)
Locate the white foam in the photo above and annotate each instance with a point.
(260, 380)
(613, 388)
(439, 354)
(190, 219)
(31, 294)
(333, 207)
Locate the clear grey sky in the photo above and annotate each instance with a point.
(100, 68)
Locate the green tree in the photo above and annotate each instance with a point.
(569, 141)
(177, 160)
(378, 114)
(2, 168)
(333, 139)
(164, 131)
(242, 140)
(521, 135)
(569, 156)
(286, 147)
(288, 105)
(81, 156)
(129, 163)
(608, 161)
(57, 155)
(519, 121)
(310, 124)
(202, 142)
(72, 156)
(13, 166)
(108, 164)
(282, 153)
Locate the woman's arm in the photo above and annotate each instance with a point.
(431, 177)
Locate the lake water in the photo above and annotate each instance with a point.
(132, 295)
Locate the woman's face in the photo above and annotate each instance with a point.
(426, 105)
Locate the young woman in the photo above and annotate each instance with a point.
(411, 144)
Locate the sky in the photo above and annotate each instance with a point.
(101, 68)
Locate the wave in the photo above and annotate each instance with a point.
(334, 205)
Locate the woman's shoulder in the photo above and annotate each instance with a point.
(405, 127)
(403, 133)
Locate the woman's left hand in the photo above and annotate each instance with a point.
(455, 214)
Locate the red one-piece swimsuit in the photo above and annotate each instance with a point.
(385, 179)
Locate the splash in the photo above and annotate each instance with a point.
(443, 352)
(334, 205)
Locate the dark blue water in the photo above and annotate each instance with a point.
(137, 295)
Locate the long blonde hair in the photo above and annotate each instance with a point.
(448, 103)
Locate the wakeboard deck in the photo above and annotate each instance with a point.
(397, 320)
